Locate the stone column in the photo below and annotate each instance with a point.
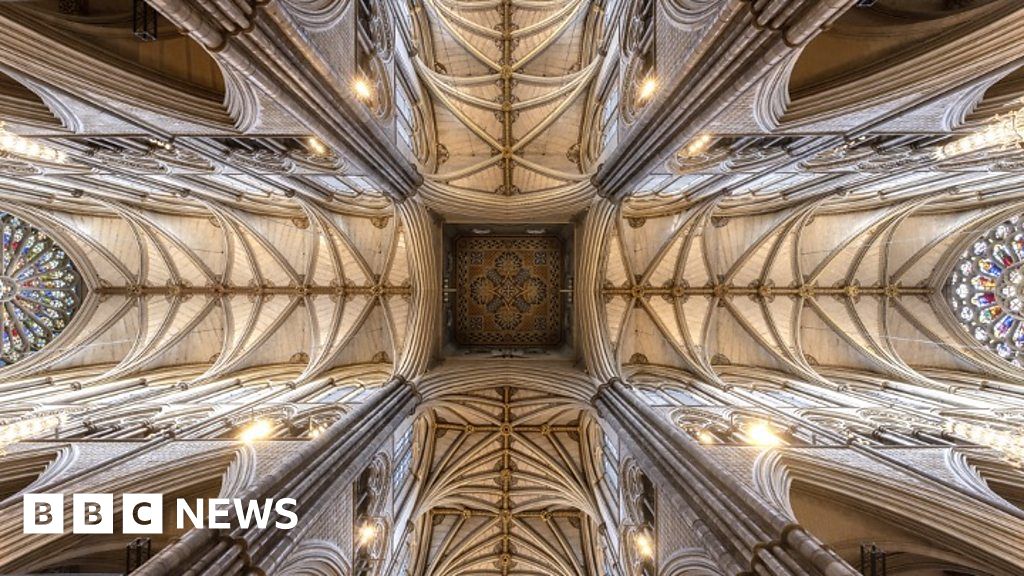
(738, 528)
(262, 43)
(592, 251)
(314, 469)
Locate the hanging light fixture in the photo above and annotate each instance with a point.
(27, 148)
(363, 90)
(316, 146)
(705, 437)
(696, 147)
(647, 89)
(644, 545)
(367, 534)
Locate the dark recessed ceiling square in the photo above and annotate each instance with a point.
(506, 289)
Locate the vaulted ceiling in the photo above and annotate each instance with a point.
(512, 88)
(796, 290)
(228, 290)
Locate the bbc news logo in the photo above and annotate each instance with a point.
(144, 513)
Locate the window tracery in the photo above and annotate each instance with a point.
(639, 522)
(374, 48)
(638, 50)
(372, 527)
(986, 290)
(40, 289)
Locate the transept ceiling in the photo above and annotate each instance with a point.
(508, 492)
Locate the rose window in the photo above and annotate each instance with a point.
(986, 290)
(40, 289)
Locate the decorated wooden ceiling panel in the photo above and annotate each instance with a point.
(508, 291)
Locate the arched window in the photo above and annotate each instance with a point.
(374, 46)
(639, 523)
(637, 37)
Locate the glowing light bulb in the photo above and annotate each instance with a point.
(761, 434)
(647, 89)
(362, 89)
(316, 146)
(367, 534)
(697, 146)
(258, 430)
(644, 546)
(14, 144)
(705, 437)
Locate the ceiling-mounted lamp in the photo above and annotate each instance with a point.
(644, 545)
(705, 437)
(762, 434)
(367, 534)
(316, 146)
(257, 430)
(697, 146)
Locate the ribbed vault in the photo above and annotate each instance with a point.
(230, 290)
(810, 287)
(511, 85)
(767, 235)
(505, 472)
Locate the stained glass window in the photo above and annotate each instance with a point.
(986, 290)
(40, 289)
